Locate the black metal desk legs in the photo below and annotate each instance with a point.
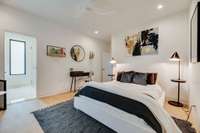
(73, 82)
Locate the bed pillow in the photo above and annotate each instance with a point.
(119, 76)
(127, 77)
(140, 78)
(151, 78)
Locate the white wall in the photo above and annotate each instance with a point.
(53, 73)
(173, 36)
(194, 71)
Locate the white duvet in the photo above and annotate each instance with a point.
(141, 94)
(153, 91)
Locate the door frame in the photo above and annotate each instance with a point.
(35, 57)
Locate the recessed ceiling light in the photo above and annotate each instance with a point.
(160, 6)
(96, 32)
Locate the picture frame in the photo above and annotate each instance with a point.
(55, 51)
(145, 42)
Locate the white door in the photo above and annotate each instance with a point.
(106, 67)
(20, 66)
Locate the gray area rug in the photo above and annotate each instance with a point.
(63, 118)
(185, 126)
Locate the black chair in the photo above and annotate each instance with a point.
(3, 103)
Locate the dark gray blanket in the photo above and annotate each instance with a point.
(123, 103)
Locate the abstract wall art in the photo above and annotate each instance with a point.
(143, 43)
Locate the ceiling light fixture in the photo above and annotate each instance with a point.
(96, 32)
(160, 6)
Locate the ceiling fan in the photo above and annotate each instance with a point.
(98, 7)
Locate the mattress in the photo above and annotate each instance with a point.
(121, 121)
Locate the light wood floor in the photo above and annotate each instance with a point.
(19, 119)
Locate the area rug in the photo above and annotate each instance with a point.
(185, 126)
(63, 118)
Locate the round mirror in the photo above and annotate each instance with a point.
(77, 53)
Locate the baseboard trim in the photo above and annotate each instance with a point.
(52, 93)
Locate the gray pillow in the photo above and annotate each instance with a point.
(127, 77)
(140, 78)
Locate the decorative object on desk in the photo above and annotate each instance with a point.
(3, 103)
(195, 36)
(91, 55)
(77, 53)
(175, 57)
(55, 51)
(143, 43)
(71, 69)
(113, 61)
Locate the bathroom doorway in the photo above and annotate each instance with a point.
(20, 67)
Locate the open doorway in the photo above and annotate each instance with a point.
(20, 67)
(106, 67)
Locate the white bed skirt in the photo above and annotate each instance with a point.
(112, 117)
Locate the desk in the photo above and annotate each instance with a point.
(74, 75)
(112, 76)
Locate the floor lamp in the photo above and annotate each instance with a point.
(175, 57)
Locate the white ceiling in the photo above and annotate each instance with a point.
(107, 16)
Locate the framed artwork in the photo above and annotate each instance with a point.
(143, 43)
(77, 53)
(55, 51)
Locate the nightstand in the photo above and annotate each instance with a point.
(177, 103)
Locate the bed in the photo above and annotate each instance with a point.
(126, 107)
(120, 120)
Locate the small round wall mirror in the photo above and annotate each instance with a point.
(77, 53)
